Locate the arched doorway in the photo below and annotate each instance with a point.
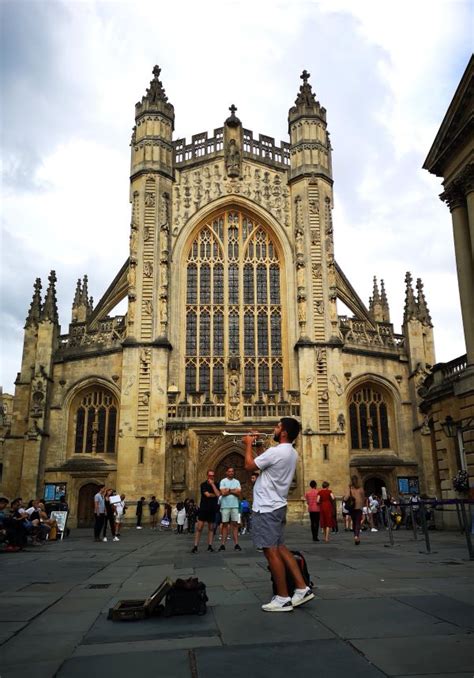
(235, 460)
(85, 505)
(373, 485)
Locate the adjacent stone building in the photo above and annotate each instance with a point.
(448, 393)
(232, 322)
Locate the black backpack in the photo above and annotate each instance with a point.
(186, 596)
(301, 560)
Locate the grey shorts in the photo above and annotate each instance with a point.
(267, 528)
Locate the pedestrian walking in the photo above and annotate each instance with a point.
(99, 512)
(277, 467)
(314, 509)
(230, 490)
(355, 501)
(139, 512)
(325, 501)
(207, 511)
(180, 517)
(154, 507)
(109, 515)
(120, 508)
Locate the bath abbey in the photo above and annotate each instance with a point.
(234, 299)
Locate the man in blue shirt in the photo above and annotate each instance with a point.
(230, 492)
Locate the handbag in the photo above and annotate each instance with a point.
(350, 502)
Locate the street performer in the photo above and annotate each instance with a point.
(277, 468)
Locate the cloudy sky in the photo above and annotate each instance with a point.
(72, 71)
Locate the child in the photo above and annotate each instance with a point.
(180, 517)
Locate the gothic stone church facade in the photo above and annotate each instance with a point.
(232, 322)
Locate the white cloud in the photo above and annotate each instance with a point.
(73, 72)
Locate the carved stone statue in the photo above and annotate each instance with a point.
(178, 472)
(341, 423)
(232, 159)
(234, 383)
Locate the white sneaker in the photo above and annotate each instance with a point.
(373, 530)
(138, 527)
(276, 606)
(302, 597)
(104, 539)
(115, 539)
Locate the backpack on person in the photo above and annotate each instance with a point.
(301, 561)
(350, 502)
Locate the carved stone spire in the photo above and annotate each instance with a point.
(411, 308)
(384, 302)
(77, 295)
(50, 306)
(375, 292)
(306, 96)
(156, 90)
(85, 292)
(155, 98)
(423, 312)
(34, 313)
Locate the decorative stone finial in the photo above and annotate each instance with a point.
(34, 313)
(232, 120)
(384, 302)
(156, 91)
(423, 311)
(306, 95)
(50, 307)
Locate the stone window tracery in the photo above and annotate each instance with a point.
(233, 306)
(95, 414)
(369, 419)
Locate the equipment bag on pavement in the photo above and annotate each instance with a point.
(186, 596)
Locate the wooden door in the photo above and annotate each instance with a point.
(85, 505)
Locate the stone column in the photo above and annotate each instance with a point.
(470, 213)
(465, 270)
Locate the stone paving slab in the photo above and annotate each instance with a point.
(329, 658)
(9, 628)
(443, 607)
(186, 643)
(440, 655)
(24, 608)
(171, 664)
(376, 618)
(36, 669)
(106, 631)
(242, 624)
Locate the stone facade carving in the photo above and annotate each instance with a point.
(206, 444)
(196, 188)
(178, 471)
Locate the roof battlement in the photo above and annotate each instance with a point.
(264, 149)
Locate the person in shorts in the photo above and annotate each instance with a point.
(230, 490)
(207, 511)
(120, 509)
(277, 467)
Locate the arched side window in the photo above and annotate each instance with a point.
(94, 412)
(369, 419)
(233, 306)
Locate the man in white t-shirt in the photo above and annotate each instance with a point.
(230, 490)
(277, 467)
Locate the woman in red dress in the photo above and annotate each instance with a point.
(325, 500)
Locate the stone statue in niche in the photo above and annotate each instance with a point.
(234, 391)
(148, 269)
(146, 233)
(149, 199)
(308, 383)
(132, 276)
(145, 357)
(178, 471)
(165, 216)
(148, 307)
(341, 423)
(232, 159)
(133, 243)
(301, 312)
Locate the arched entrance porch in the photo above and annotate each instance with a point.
(85, 504)
(235, 459)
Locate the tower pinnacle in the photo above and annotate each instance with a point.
(423, 311)
(50, 307)
(34, 313)
(411, 310)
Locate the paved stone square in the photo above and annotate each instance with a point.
(379, 610)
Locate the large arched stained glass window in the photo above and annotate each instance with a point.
(95, 412)
(369, 419)
(233, 306)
